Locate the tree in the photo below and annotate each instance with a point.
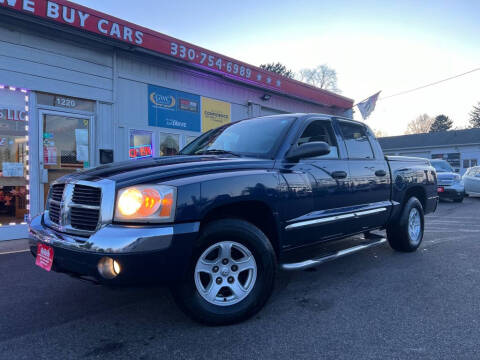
(379, 133)
(322, 76)
(420, 125)
(441, 123)
(475, 116)
(278, 68)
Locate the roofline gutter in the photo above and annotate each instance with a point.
(428, 147)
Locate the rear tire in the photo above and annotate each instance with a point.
(231, 274)
(459, 200)
(406, 234)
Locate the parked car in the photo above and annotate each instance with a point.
(214, 221)
(450, 184)
(471, 180)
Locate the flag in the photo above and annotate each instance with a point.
(367, 106)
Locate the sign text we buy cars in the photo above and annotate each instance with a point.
(78, 17)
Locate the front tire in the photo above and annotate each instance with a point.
(231, 274)
(406, 234)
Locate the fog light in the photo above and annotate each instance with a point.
(109, 268)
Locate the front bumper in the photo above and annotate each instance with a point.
(146, 253)
(455, 191)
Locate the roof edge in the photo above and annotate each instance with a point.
(105, 26)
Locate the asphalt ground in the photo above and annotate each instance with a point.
(377, 304)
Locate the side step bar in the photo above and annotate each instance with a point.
(320, 260)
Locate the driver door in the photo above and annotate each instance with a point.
(318, 217)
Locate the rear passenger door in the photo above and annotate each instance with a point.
(369, 176)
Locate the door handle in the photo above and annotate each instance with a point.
(380, 173)
(339, 174)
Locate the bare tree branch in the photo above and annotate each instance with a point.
(420, 125)
(321, 76)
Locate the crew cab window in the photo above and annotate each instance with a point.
(320, 130)
(356, 140)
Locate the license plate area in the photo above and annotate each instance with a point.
(44, 257)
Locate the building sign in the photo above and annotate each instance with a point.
(83, 18)
(138, 152)
(65, 102)
(9, 113)
(215, 113)
(141, 144)
(173, 109)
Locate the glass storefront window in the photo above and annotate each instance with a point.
(13, 156)
(141, 144)
(169, 144)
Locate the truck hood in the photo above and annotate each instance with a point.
(147, 170)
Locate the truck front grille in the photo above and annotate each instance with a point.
(54, 212)
(56, 192)
(84, 219)
(87, 195)
(75, 208)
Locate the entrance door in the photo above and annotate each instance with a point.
(65, 146)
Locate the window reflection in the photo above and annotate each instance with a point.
(169, 144)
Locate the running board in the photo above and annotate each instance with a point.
(323, 259)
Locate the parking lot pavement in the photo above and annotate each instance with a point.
(374, 305)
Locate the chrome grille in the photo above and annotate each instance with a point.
(56, 192)
(87, 195)
(84, 219)
(85, 207)
(80, 208)
(54, 212)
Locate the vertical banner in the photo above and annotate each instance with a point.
(215, 113)
(173, 109)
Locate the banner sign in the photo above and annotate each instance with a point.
(86, 19)
(215, 113)
(173, 109)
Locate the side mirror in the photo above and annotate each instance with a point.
(311, 149)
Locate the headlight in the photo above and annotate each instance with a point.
(146, 203)
(457, 179)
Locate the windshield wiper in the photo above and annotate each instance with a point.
(219, 151)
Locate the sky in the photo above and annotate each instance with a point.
(390, 46)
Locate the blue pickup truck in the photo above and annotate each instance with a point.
(217, 221)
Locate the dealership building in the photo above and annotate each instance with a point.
(461, 148)
(79, 88)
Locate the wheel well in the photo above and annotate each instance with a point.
(419, 193)
(255, 212)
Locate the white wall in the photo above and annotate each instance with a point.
(46, 64)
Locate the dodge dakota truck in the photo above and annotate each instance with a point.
(241, 201)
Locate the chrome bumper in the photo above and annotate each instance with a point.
(458, 187)
(112, 239)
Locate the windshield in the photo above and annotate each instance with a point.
(442, 166)
(257, 137)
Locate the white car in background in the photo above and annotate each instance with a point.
(471, 180)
